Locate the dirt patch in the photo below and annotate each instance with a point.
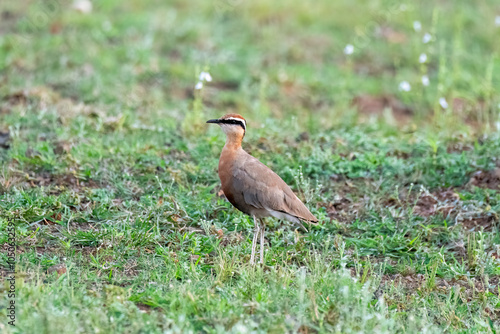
(231, 238)
(391, 35)
(130, 268)
(304, 329)
(410, 282)
(5, 246)
(438, 202)
(82, 226)
(59, 268)
(342, 210)
(62, 147)
(398, 154)
(418, 281)
(8, 102)
(481, 221)
(348, 203)
(87, 250)
(459, 147)
(144, 308)
(44, 250)
(66, 180)
(469, 110)
(376, 105)
(45, 96)
(486, 179)
(447, 203)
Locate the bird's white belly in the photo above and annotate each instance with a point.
(282, 215)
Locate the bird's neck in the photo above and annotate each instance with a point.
(233, 141)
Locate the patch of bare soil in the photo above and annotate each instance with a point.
(66, 180)
(478, 222)
(411, 282)
(59, 268)
(376, 105)
(469, 110)
(486, 179)
(439, 202)
(304, 329)
(44, 96)
(391, 35)
(45, 250)
(447, 203)
(10, 101)
(459, 147)
(418, 281)
(398, 154)
(231, 238)
(5, 247)
(62, 147)
(86, 250)
(342, 210)
(144, 308)
(82, 226)
(130, 268)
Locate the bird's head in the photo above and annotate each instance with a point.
(232, 125)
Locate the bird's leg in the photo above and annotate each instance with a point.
(262, 230)
(255, 238)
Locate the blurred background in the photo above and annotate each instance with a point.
(325, 62)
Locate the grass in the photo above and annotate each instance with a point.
(109, 171)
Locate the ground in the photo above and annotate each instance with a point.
(109, 172)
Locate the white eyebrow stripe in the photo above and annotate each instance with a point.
(238, 119)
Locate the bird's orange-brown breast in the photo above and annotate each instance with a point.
(225, 174)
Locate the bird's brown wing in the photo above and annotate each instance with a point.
(264, 189)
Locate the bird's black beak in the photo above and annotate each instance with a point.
(216, 121)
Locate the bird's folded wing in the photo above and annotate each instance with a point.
(264, 189)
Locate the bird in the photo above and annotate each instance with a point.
(252, 187)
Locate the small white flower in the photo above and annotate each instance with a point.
(425, 80)
(497, 21)
(443, 103)
(199, 85)
(417, 25)
(83, 6)
(349, 49)
(427, 38)
(423, 58)
(205, 76)
(404, 86)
